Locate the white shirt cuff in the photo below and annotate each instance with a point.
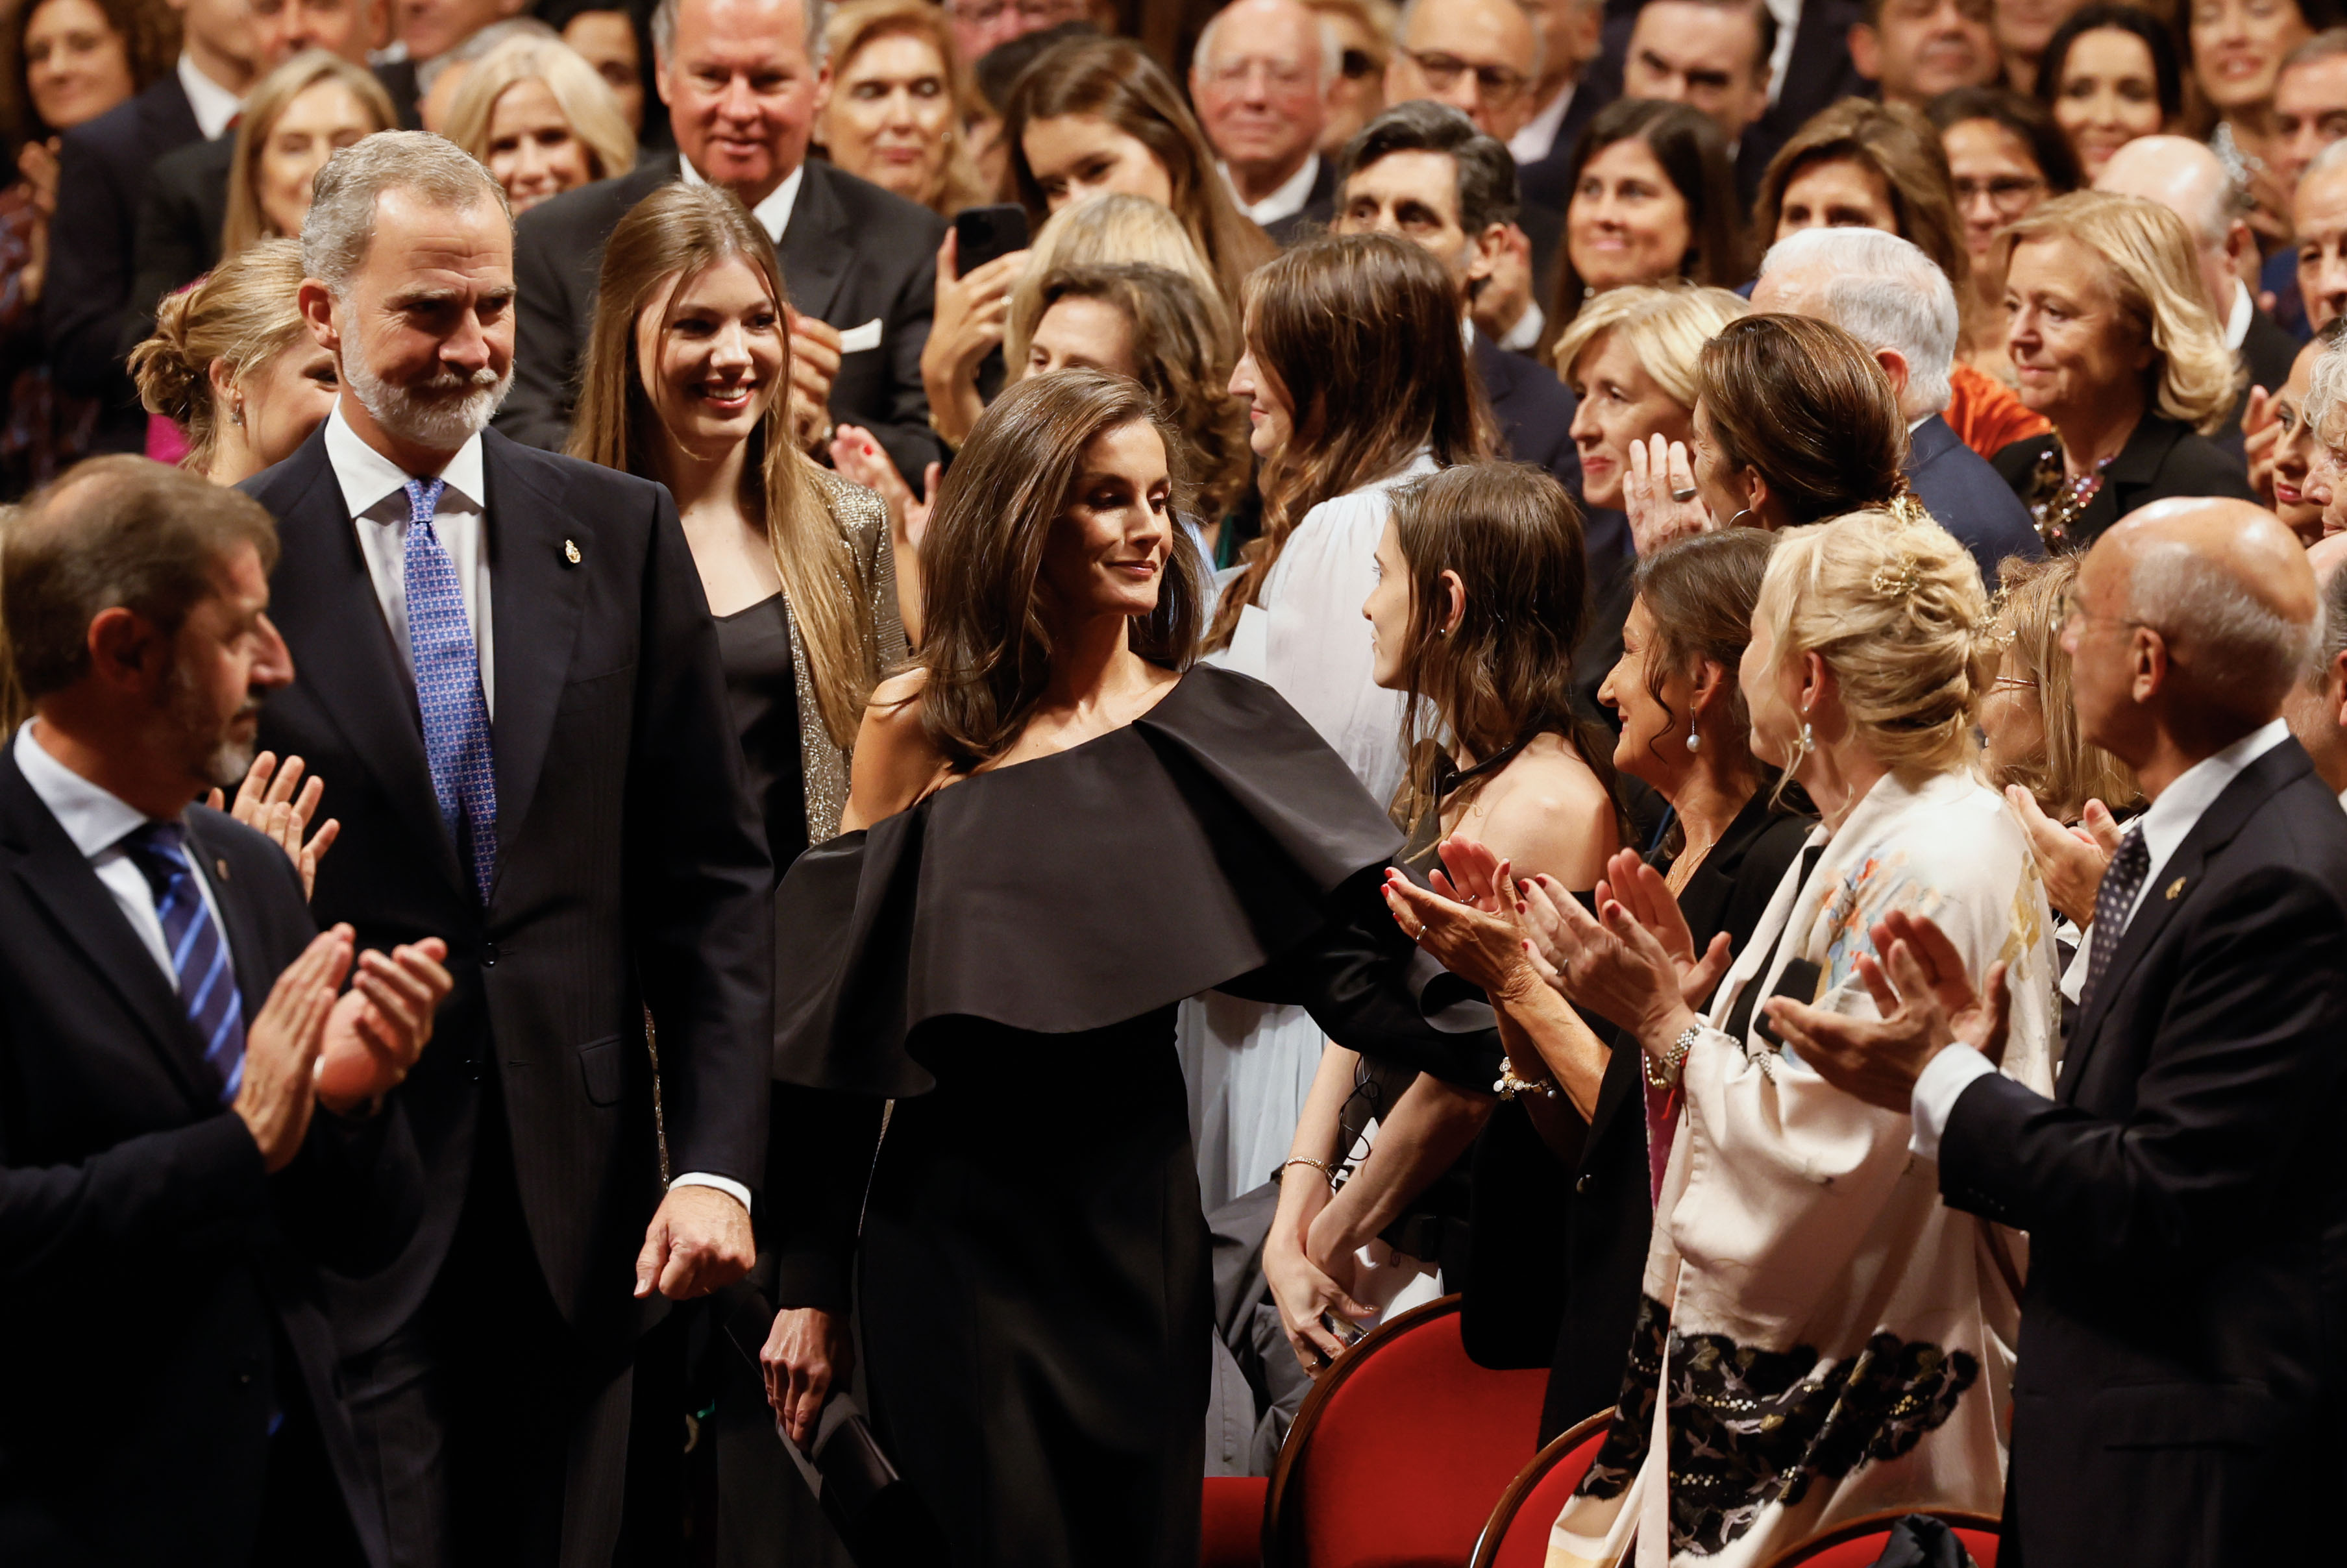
(1942, 1082)
(726, 1185)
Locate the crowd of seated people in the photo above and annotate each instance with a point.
(1785, 544)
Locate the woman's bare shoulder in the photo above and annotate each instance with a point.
(1550, 812)
(896, 761)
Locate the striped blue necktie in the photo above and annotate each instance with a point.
(456, 740)
(199, 958)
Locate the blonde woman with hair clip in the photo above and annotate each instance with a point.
(233, 367)
(1820, 1337)
(541, 120)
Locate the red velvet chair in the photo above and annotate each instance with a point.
(1516, 1535)
(1860, 1542)
(1232, 1532)
(1399, 1450)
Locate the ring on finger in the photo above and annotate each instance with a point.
(1684, 497)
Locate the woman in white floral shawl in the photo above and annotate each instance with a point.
(1821, 1338)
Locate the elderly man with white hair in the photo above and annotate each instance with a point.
(1260, 77)
(1887, 294)
(2183, 176)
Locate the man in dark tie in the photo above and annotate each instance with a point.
(511, 685)
(743, 81)
(2180, 1355)
(192, 1122)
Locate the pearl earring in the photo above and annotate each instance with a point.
(236, 413)
(1694, 742)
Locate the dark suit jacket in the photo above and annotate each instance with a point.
(160, 1288)
(1319, 209)
(2162, 458)
(2176, 1399)
(852, 254)
(632, 869)
(101, 176)
(1535, 410)
(1970, 498)
(181, 217)
(1559, 1254)
(1542, 181)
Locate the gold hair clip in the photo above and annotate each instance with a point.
(1898, 581)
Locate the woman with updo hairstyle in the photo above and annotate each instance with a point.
(2111, 333)
(1794, 422)
(1097, 114)
(1478, 608)
(232, 366)
(536, 116)
(1355, 375)
(1036, 865)
(1586, 1193)
(1652, 199)
(1805, 1269)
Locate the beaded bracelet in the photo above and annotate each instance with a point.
(1507, 1086)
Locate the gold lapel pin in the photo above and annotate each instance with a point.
(570, 551)
(220, 866)
(2174, 888)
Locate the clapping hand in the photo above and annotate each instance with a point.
(1473, 925)
(382, 1024)
(1658, 496)
(1926, 1001)
(861, 459)
(278, 1089)
(1611, 963)
(2070, 860)
(265, 802)
(814, 364)
(2261, 435)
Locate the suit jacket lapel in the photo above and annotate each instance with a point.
(815, 248)
(244, 940)
(324, 600)
(54, 870)
(535, 591)
(2182, 872)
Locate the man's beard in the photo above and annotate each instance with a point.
(443, 413)
(215, 754)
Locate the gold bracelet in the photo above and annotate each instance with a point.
(1507, 1086)
(1319, 1166)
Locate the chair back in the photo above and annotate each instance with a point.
(1516, 1535)
(1230, 1530)
(1858, 1542)
(1399, 1450)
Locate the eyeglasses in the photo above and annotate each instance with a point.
(1497, 85)
(2004, 194)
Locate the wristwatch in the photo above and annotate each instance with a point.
(1665, 1075)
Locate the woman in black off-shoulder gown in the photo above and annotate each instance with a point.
(1002, 959)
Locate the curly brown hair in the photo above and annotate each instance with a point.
(150, 37)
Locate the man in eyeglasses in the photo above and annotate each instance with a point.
(1480, 57)
(1260, 77)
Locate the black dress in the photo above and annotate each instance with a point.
(1003, 960)
(762, 685)
(1558, 1255)
(2160, 459)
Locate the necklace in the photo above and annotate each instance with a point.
(2056, 499)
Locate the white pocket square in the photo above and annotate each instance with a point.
(856, 340)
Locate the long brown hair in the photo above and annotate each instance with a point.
(671, 236)
(1504, 676)
(1898, 146)
(1183, 345)
(1362, 332)
(1114, 79)
(987, 638)
(245, 222)
(1802, 402)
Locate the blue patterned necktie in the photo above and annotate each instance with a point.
(456, 740)
(198, 956)
(2122, 880)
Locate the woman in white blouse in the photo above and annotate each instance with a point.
(1356, 378)
(1820, 1337)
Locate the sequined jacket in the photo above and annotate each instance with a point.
(863, 522)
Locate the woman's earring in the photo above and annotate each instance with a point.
(1694, 742)
(236, 411)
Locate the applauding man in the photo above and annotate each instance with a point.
(191, 1108)
(2180, 1338)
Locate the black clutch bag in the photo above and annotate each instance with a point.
(881, 1518)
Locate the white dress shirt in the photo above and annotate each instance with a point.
(1286, 202)
(214, 105)
(97, 821)
(1538, 139)
(375, 490)
(774, 214)
(2245, 311)
(2164, 825)
(1525, 338)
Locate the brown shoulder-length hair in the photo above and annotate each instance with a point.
(1899, 146)
(673, 235)
(1183, 345)
(1802, 402)
(987, 638)
(1694, 156)
(1114, 79)
(1699, 593)
(246, 224)
(151, 41)
(1504, 676)
(1361, 332)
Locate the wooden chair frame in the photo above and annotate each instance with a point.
(1503, 1512)
(1801, 1551)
